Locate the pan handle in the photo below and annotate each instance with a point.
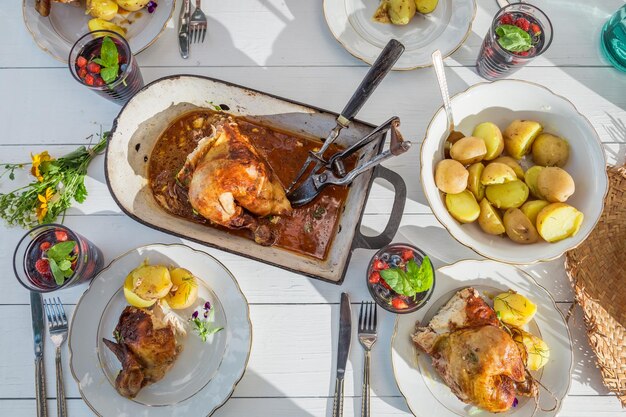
(387, 235)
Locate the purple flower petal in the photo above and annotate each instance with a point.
(207, 305)
(194, 315)
(206, 314)
(151, 6)
(515, 402)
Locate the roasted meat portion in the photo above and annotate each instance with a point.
(227, 180)
(475, 356)
(146, 347)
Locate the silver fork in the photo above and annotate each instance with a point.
(197, 25)
(57, 324)
(367, 338)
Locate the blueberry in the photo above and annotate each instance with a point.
(123, 67)
(395, 260)
(384, 257)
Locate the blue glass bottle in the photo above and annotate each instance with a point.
(613, 39)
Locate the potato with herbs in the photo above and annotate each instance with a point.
(532, 208)
(101, 24)
(450, 176)
(491, 135)
(512, 163)
(530, 178)
(132, 5)
(104, 9)
(513, 308)
(550, 150)
(558, 221)
(497, 173)
(426, 6)
(489, 219)
(184, 291)
(473, 182)
(508, 195)
(555, 184)
(518, 227)
(537, 351)
(463, 206)
(519, 137)
(468, 150)
(398, 12)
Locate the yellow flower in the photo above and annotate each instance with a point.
(42, 210)
(39, 159)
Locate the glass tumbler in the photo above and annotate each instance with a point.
(495, 62)
(129, 80)
(32, 248)
(613, 39)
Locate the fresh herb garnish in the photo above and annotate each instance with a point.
(204, 326)
(416, 278)
(319, 213)
(513, 39)
(108, 61)
(60, 258)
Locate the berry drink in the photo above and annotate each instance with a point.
(51, 256)
(103, 62)
(519, 33)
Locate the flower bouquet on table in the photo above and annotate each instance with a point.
(58, 183)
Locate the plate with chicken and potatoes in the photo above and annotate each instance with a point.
(492, 341)
(147, 321)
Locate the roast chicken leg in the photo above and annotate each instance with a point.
(146, 347)
(225, 175)
(475, 356)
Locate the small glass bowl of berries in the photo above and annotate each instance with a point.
(400, 278)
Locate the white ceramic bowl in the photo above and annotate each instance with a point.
(501, 102)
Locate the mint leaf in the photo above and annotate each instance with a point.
(60, 251)
(108, 52)
(398, 280)
(423, 275)
(59, 276)
(416, 279)
(513, 39)
(64, 265)
(109, 74)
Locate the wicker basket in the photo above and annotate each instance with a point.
(597, 271)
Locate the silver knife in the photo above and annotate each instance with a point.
(343, 349)
(183, 29)
(36, 310)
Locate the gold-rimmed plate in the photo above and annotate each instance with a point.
(446, 28)
(57, 33)
(186, 387)
(425, 392)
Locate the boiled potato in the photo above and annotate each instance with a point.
(537, 351)
(532, 208)
(549, 150)
(489, 220)
(132, 5)
(497, 173)
(184, 290)
(558, 221)
(101, 24)
(519, 137)
(513, 308)
(468, 150)
(508, 195)
(132, 298)
(518, 227)
(512, 163)
(453, 138)
(555, 184)
(530, 178)
(151, 282)
(492, 136)
(463, 206)
(401, 11)
(104, 9)
(451, 176)
(473, 183)
(426, 6)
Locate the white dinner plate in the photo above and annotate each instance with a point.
(203, 376)
(57, 33)
(425, 392)
(446, 28)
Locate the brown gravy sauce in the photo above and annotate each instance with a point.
(309, 230)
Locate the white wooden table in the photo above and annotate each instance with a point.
(285, 48)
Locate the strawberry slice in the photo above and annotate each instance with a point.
(399, 304)
(61, 235)
(45, 246)
(89, 79)
(42, 266)
(93, 68)
(374, 277)
(81, 61)
(406, 255)
(380, 265)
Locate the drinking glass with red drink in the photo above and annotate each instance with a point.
(103, 62)
(51, 256)
(519, 32)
